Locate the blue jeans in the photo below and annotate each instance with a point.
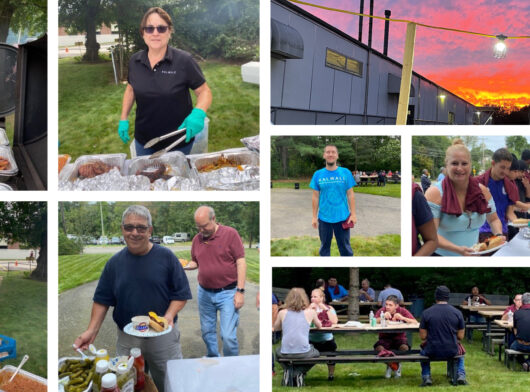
(325, 232)
(426, 367)
(140, 150)
(209, 304)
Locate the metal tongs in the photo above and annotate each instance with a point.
(154, 141)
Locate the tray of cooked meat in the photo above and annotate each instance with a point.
(171, 164)
(234, 169)
(8, 165)
(4, 141)
(90, 166)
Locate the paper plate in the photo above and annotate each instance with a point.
(485, 252)
(129, 330)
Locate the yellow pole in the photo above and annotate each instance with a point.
(406, 75)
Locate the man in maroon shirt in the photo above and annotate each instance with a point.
(218, 252)
(393, 341)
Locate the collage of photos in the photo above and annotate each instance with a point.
(206, 154)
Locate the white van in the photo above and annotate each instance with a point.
(181, 237)
(167, 239)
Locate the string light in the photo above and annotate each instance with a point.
(499, 50)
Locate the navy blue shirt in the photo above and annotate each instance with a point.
(441, 321)
(420, 211)
(162, 93)
(521, 322)
(136, 285)
(502, 201)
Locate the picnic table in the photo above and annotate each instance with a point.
(476, 308)
(393, 327)
(490, 315)
(342, 306)
(518, 246)
(365, 179)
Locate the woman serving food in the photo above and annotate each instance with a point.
(159, 80)
(460, 205)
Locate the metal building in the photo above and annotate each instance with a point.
(321, 75)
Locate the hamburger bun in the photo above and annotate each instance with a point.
(159, 324)
(493, 242)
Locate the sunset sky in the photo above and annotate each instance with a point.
(461, 63)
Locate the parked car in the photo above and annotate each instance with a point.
(122, 240)
(181, 237)
(103, 240)
(115, 241)
(91, 241)
(155, 239)
(168, 239)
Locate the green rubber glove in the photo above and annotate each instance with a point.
(194, 123)
(123, 130)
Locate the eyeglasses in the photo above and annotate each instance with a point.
(151, 29)
(139, 229)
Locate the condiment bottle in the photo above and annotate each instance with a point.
(101, 368)
(510, 316)
(125, 378)
(101, 354)
(139, 367)
(109, 383)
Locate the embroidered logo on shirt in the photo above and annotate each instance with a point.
(169, 72)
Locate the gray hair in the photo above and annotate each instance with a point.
(365, 280)
(211, 212)
(526, 298)
(140, 211)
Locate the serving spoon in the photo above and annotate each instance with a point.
(24, 359)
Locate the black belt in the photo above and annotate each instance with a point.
(231, 286)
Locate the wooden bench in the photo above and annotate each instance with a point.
(510, 357)
(361, 356)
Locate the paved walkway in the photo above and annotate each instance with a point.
(74, 314)
(291, 214)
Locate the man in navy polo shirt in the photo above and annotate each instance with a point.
(521, 329)
(333, 203)
(140, 278)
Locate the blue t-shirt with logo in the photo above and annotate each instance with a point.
(500, 197)
(332, 185)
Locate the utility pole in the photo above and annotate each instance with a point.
(101, 215)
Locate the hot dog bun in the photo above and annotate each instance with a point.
(493, 242)
(520, 221)
(157, 323)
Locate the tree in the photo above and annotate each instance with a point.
(517, 144)
(353, 295)
(86, 16)
(22, 15)
(26, 222)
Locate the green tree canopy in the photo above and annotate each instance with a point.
(18, 15)
(517, 144)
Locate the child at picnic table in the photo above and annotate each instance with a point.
(393, 341)
(324, 341)
(295, 321)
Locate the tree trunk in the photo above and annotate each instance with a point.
(6, 12)
(63, 223)
(41, 272)
(91, 43)
(353, 295)
(285, 161)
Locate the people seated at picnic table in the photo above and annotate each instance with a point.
(389, 290)
(366, 293)
(381, 178)
(521, 329)
(422, 225)
(336, 291)
(517, 302)
(460, 205)
(476, 300)
(295, 321)
(321, 284)
(441, 330)
(324, 341)
(391, 311)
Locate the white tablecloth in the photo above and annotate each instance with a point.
(221, 374)
(518, 246)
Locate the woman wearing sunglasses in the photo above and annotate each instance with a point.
(159, 80)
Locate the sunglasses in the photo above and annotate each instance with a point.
(139, 229)
(151, 29)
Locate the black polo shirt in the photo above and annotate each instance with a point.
(521, 321)
(162, 93)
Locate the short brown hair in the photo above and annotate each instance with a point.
(296, 299)
(156, 10)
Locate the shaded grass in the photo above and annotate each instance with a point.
(484, 372)
(382, 245)
(23, 317)
(90, 108)
(10, 127)
(75, 270)
(391, 190)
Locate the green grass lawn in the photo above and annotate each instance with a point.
(484, 372)
(391, 190)
(382, 245)
(75, 270)
(10, 127)
(90, 108)
(23, 316)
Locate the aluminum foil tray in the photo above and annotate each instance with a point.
(110, 159)
(63, 360)
(176, 160)
(251, 142)
(5, 187)
(7, 153)
(12, 369)
(4, 141)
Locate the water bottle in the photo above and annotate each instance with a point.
(469, 301)
(510, 316)
(383, 321)
(371, 316)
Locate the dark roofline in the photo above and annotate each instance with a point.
(306, 14)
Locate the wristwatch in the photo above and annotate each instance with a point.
(242, 291)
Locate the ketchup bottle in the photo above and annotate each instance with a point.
(139, 366)
(109, 383)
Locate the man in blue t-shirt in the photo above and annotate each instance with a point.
(389, 290)
(141, 278)
(333, 203)
(336, 291)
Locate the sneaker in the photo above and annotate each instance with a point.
(461, 380)
(526, 366)
(427, 381)
(330, 377)
(397, 374)
(388, 373)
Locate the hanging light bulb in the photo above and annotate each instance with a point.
(499, 50)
